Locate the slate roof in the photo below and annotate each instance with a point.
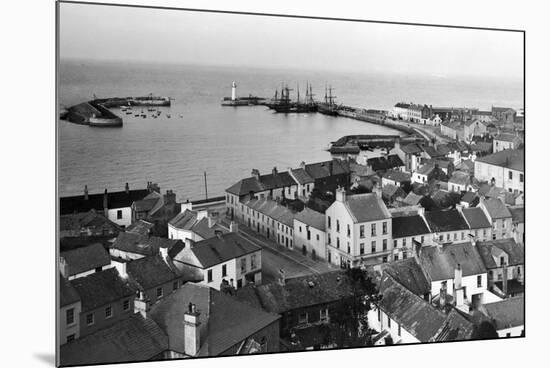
(475, 217)
(390, 190)
(130, 340)
(302, 177)
(406, 226)
(440, 264)
(516, 252)
(366, 207)
(425, 169)
(77, 221)
(468, 197)
(325, 169)
(397, 176)
(412, 198)
(511, 159)
(140, 227)
(409, 274)
(220, 249)
(466, 166)
(460, 178)
(385, 163)
(311, 218)
(481, 147)
(263, 183)
(495, 208)
(507, 313)
(101, 288)
(418, 317)
(507, 137)
(85, 258)
(188, 220)
(149, 272)
(272, 209)
(445, 220)
(142, 244)
(67, 294)
(518, 214)
(402, 105)
(299, 292)
(75, 204)
(411, 148)
(225, 321)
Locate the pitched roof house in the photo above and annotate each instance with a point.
(83, 261)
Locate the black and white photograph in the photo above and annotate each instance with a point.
(234, 184)
(204, 183)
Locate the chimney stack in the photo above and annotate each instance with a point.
(458, 277)
(191, 330)
(256, 173)
(505, 278)
(164, 253)
(189, 243)
(105, 204)
(340, 194)
(127, 188)
(186, 206)
(274, 171)
(282, 277)
(443, 296)
(302, 165)
(86, 192)
(234, 227)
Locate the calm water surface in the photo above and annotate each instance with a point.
(225, 142)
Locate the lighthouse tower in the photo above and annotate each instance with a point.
(233, 91)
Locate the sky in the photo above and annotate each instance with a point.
(95, 32)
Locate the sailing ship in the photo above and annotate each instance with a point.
(328, 107)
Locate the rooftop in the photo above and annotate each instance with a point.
(440, 263)
(507, 313)
(272, 209)
(515, 252)
(130, 340)
(407, 226)
(475, 217)
(412, 198)
(190, 220)
(385, 163)
(496, 208)
(142, 244)
(86, 258)
(511, 159)
(366, 207)
(77, 221)
(409, 274)
(140, 227)
(101, 288)
(397, 176)
(311, 218)
(460, 178)
(225, 321)
(67, 294)
(76, 204)
(302, 177)
(445, 220)
(150, 272)
(518, 214)
(261, 183)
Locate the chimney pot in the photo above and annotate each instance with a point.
(127, 188)
(85, 192)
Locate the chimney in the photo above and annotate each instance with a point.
(234, 227)
(274, 171)
(169, 197)
(458, 277)
(302, 165)
(186, 206)
(189, 243)
(202, 214)
(256, 173)
(443, 296)
(141, 304)
(505, 278)
(218, 233)
(122, 269)
(211, 221)
(85, 192)
(164, 253)
(282, 277)
(63, 267)
(191, 330)
(127, 188)
(340, 194)
(459, 297)
(105, 204)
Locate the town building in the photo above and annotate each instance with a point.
(89, 223)
(70, 307)
(505, 114)
(391, 194)
(518, 223)
(158, 209)
(504, 257)
(84, 261)
(397, 178)
(410, 155)
(422, 174)
(406, 230)
(479, 224)
(401, 111)
(194, 225)
(358, 230)
(200, 321)
(508, 316)
(310, 233)
(500, 217)
(106, 299)
(447, 226)
(504, 169)
(460, 182)
(128, 246)
(453, 129)
(305, 182)
(382, 164)
(270, 219)
(134, 339)
(474, 128)
(504, 141)
(225, 257)
(116, 206)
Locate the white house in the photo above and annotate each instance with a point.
(310, 233)
(270, 219)
(505, 169)
(193, 225)
(228, 257)
(500, 217)
(508, 316)
(406, 230)
(447, 226)
(358, 230)
(420, 175)
(505, 141)
(84, 261)
(480, 226)
(69, 314)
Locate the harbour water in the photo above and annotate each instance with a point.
(227, 142)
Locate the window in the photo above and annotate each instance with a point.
(462, 235)
(384, 259)
(373, 229)
(108, 312)
(455, 236)
(224, 270)
(243, 265)
(404, 242)
(175, 285)
(349, 249)
(373, 247)
(119, 214)
(323, 315)
(349, 231)
(317, 237)
(328, 238)
(384, 228)
(302, 318)
(362, 248)
(479, 284)
(300, 229)
(308, 235)
(494, 236)
(70, 338)
(126, 305)
(395, 243)
(328, 222)
(521, 178)
(362, 231)
(252, 261)
(338, 226)
(510, 175)
(159, 292)
(398, 330)
(338, 242)
(385, 244)
(90, 319)
(502, 261)
(396, 257)
(70, 316)
(389, 322)
(448, 236)
(379, 315)
(404, 255)
(440, 237)
(209, 276)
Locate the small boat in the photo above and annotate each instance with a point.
(136, 115)
(168, 116)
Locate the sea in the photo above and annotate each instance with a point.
(204, 140)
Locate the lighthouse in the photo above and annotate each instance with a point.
(233, 91)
